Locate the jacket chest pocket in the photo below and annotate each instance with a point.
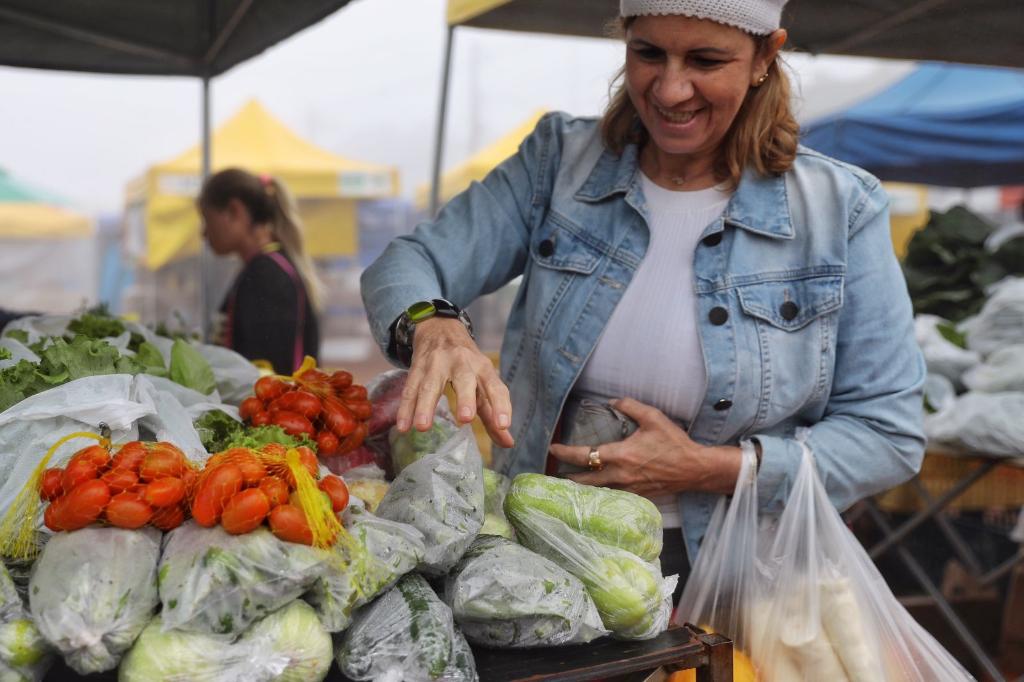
(795, 325)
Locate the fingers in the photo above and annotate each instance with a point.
(644, 415)
(578, 455)
(465, 387)
(497, 395)
(500, 436)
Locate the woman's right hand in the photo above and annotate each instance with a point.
(443, 351)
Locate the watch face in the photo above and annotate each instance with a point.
(423, 310)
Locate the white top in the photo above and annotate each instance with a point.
(650, 349)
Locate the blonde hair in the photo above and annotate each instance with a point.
(764, 133)
(269, 203)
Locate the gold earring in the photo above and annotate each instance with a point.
(762, 79)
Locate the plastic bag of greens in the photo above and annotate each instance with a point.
(942, 346)
(495, 487)
(612, 517)
(289, 645)
(503, 595)
(215, 583)
(384, 551)
(1003, 370)
(15, 351)
(979, 422)
(24, 654)
(442, 495)
(799, 594)
(1000, 320)
(414, 444)
(407, 635)
(92, 592)
(634, 600)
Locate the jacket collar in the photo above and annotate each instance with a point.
(760, 203)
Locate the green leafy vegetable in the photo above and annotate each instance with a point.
(18, 335)
(190, 369)
(218, 431)
(96, 326)
(5, 354)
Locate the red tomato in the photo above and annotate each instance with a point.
(215, 487)
(168, 518)
(336, 490)
(120, 480)
(162, 463)
(275, 489)
(249, 407)
(341, 380)
(355, 439)
(309, 460)
(361, 409)
(326, 443)
(338, 418)
(245, 511)
(52, 512)
(274, 449)
(289, 523)
(96, 454)
(50, 486)
(300, 402)
(261, 418)
(130, 456)
(268, 388)
(293, 423)
(189, 478)
(165, 492)
(353, 392)
(128, 510)
(252, 470)
(77, 473)
(82, 505)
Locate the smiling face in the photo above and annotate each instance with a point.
(687, 79)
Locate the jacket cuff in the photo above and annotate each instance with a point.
(780, 458)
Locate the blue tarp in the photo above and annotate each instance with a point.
(951, 125)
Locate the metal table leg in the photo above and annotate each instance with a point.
(944, 607)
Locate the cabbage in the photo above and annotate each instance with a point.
(289, 645)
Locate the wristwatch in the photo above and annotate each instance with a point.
(404, 328)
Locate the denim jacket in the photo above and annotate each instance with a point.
(805, 317)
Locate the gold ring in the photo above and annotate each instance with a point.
(594, 460)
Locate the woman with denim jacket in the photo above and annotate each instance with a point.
(686, 256)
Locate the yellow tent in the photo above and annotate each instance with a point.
(162, 219)
(481, 163)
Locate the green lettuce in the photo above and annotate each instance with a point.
(218, 431)
(5, 354)
(190, 369)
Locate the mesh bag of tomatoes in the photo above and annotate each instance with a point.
(327, 408)
(129, 487)
(242, 488)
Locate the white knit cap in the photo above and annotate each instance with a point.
(759, 17)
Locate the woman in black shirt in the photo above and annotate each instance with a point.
(270, 310)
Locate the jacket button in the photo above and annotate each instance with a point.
(723, 404)
(712, 239)
(789, 310)
(546, 248)
(718, 315)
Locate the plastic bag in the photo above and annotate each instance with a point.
(1003, 370)
(414, 444)
(93, 591)
(941, 355)
(1001, 318)
(495, 487)
(503, 595)
(18, 351)
(234, 374)
(442, 495)
(634, 600)
(980, 422)
(220, 584)
(384, 551)
(801, 596)
(24, 654)
(288, 645)
(939, 393)
(121, 402)
(407, 635)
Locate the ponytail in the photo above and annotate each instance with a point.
(269, 203)
(286, 227)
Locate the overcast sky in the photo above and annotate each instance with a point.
(363, 83)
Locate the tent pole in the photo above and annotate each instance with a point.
(435, 178)
(206, 323)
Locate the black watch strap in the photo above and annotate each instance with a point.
(403, 328)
